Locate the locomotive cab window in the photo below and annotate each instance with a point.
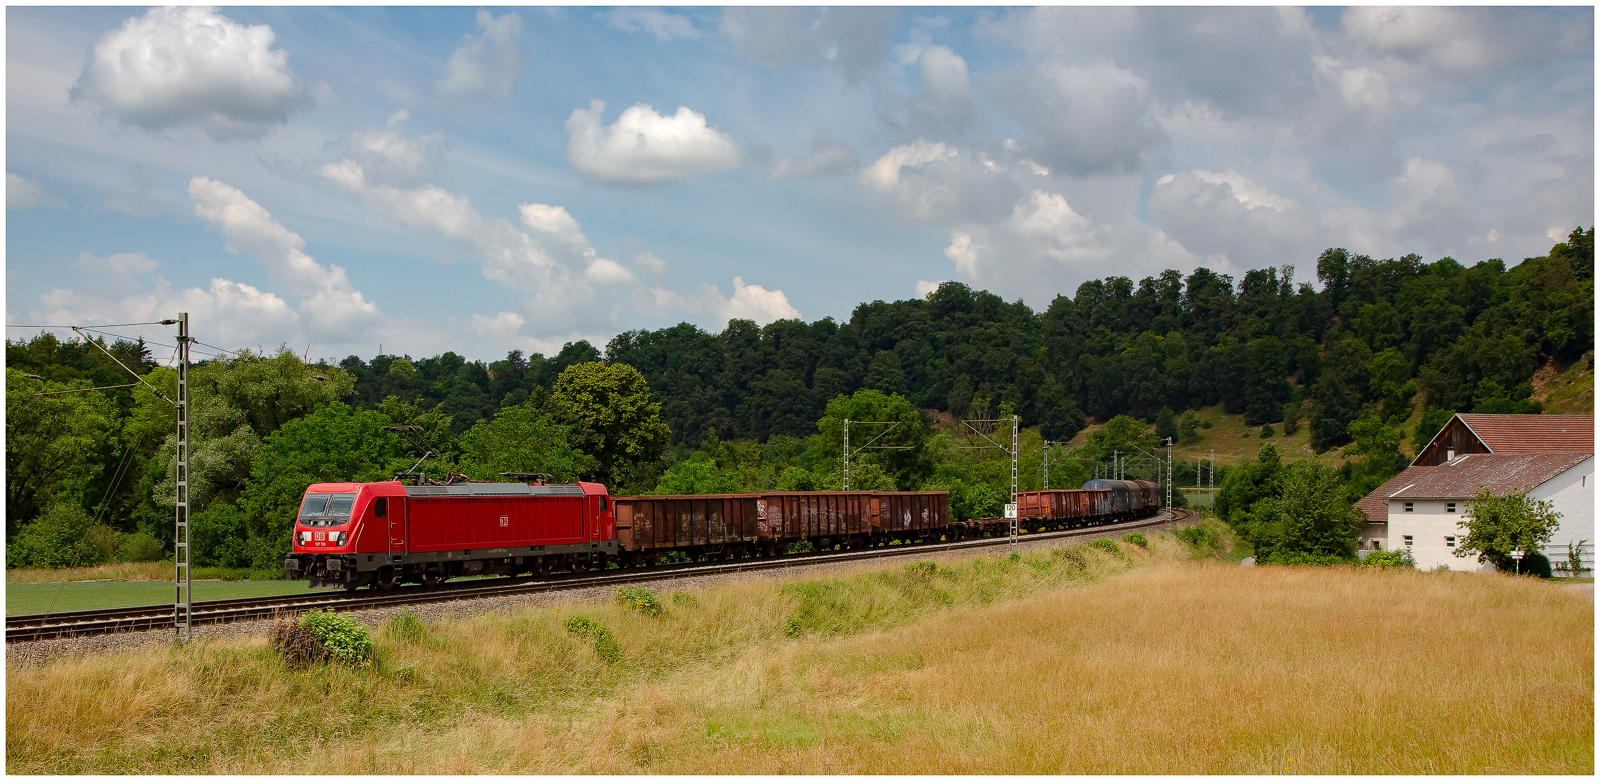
(326, 509)
(380, 507)
(603, 504)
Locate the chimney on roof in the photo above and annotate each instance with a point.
(1449, 455)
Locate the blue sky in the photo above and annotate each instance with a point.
(487, 179)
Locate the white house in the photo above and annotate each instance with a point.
(1550, 457)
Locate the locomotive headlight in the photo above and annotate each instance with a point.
(305, 537)
(340, 537)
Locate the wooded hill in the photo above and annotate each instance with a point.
(1377, 333)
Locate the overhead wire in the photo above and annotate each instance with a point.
(214, 347)
(106, 325)
(82, 390)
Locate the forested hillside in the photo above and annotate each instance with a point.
(1378, 332)
(1375, 344)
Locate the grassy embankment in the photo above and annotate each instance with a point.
(1088, 662)
(1566, 390)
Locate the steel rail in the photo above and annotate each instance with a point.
(84, 623)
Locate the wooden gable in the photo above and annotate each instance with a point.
(1454, 436)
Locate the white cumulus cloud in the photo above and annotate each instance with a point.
(644, 147)
(664, 25)
(22, 193)
(489, 63)
(331, 308)
(191, 67)
(754, 302)
(390, 156)
(748, 302)
(122, 288)
(946, 97)
(884, 173)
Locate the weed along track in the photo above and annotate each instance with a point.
(153, 617)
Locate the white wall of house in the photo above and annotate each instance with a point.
(1432, 524)
(1570, 493)
(1374, 536)
(1434, 528)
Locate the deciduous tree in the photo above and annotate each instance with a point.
(1497, 525)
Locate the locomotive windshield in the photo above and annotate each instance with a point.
(326, 509)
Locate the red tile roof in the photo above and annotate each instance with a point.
(1500, 473)
(1532, 433)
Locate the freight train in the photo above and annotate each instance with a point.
(349, 535)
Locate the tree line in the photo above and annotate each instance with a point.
(681, 409)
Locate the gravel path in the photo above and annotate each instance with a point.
(41, 651)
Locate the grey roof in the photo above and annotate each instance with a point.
(1376, 504)
(494, 489)
(1501, 474)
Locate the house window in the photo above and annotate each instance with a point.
(1377, 545)
(1408, 507)
(1408, 540)
(1449, 507)
(1449, 542)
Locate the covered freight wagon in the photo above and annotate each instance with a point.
(1129, 498)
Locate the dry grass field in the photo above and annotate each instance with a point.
(1077, 661)
(132, 572)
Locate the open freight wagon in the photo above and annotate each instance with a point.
(739, 525)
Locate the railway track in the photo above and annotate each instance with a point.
(137, 619)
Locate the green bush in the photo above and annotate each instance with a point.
(99, 545)
(1109, 546)
(1390, 559)
(406, 626)
(636, 598)
(924, 569)
(64, 536)
(221, 537)
(1137, 539)
(1197, 536)
(346, 639)
(1301, 559)
(605, 643)
(140, 546)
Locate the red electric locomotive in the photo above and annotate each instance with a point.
(354, 534)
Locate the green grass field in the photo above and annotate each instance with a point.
(33, 598)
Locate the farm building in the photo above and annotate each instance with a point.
(1550, 457)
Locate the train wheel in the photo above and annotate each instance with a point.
(387, 578)
(430, 578)
(579, 566)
